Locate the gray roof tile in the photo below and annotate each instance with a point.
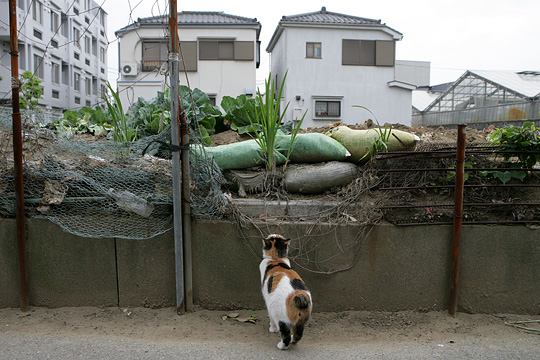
(326, 17)
(210, 18)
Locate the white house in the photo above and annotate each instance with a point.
(64, 43)
(335, 61)
(220, 51)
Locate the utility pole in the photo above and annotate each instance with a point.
(18, 154)
(174, 62)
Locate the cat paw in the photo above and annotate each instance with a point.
(273, 329)
(282, 346)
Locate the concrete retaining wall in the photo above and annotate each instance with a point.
(395, 268)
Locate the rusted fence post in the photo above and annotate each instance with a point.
(18, 153)
(458, 218)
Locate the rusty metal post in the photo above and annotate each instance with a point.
(176, 136)
(18, 154)
(458, 219)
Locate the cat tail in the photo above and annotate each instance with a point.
(302, 301)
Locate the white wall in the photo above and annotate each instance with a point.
(354, 85)
(219, 78)
(413, 72)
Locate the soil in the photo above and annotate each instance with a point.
(162, 325)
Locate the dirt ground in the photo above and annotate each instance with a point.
(157, 325)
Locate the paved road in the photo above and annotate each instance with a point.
(17, 346)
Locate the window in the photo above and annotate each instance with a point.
(55, 73)
(102, 70)
(76, 11)
(37, 34)
(38, 66)
(86, 20)
(77, 81)
(313, 50)
(55, 94)
(216, 50)
(212, 98)
(327, 109)
(94, 46)
(88, 86)
(54, 44)
(77, 100)
(76, 56)
(87, 44)
(368, 52)
(102, 17)
(86, 4)
(103, 90)
(87, 62)
(88, 103)
(65, 26)
(65, 73)
(77, 37)
(37, 11)
(55, 21)
(102, 54)
(102, 33)
(20, 3)
(154, 53)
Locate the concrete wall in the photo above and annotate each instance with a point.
(218, 78)
(395, 268)
(327, 78)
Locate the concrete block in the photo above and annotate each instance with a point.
(146, 275)
(9, 264)
(67, 270)
(500, 270)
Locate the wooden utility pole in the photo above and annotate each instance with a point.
(18, 153)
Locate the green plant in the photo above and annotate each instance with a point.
(151, 117)
(381, 142)
(123, 132)
(522, 142)
(199, 111)
(31, 90)
(241, 113)
(87, 120)
(268, 121)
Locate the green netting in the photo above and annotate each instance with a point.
(98, 188)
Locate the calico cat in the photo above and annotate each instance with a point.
(287, 298)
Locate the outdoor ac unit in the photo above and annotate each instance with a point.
(129, 69)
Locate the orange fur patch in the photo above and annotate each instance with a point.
(295, 314)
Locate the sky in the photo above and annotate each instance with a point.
(454, 35)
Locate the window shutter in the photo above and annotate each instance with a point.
(189, 52)
(226, 50)
(208, 50)
(350, 52)
(244, 50)
(367, 52)
(385, 53)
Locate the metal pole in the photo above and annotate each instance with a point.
(18, 153)
(458, 218)
(175, 142)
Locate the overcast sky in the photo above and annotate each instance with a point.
(454, 35)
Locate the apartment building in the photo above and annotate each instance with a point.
(64, 43)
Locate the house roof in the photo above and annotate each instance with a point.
(526, 83)
(196, 19)
(324, 18)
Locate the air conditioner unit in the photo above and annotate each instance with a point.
(129, 69)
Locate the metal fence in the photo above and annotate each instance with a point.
(499, 114)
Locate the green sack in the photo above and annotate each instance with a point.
(241, 155)
(360, 142)
(312, 148)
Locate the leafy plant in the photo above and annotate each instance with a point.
(524, 140)
(241, 113)
(123, 132)
(200, 112)
(87, 120)
(31, 90)
(151, 117)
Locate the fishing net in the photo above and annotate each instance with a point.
(99, 188)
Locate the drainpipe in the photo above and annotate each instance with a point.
(18, 154)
